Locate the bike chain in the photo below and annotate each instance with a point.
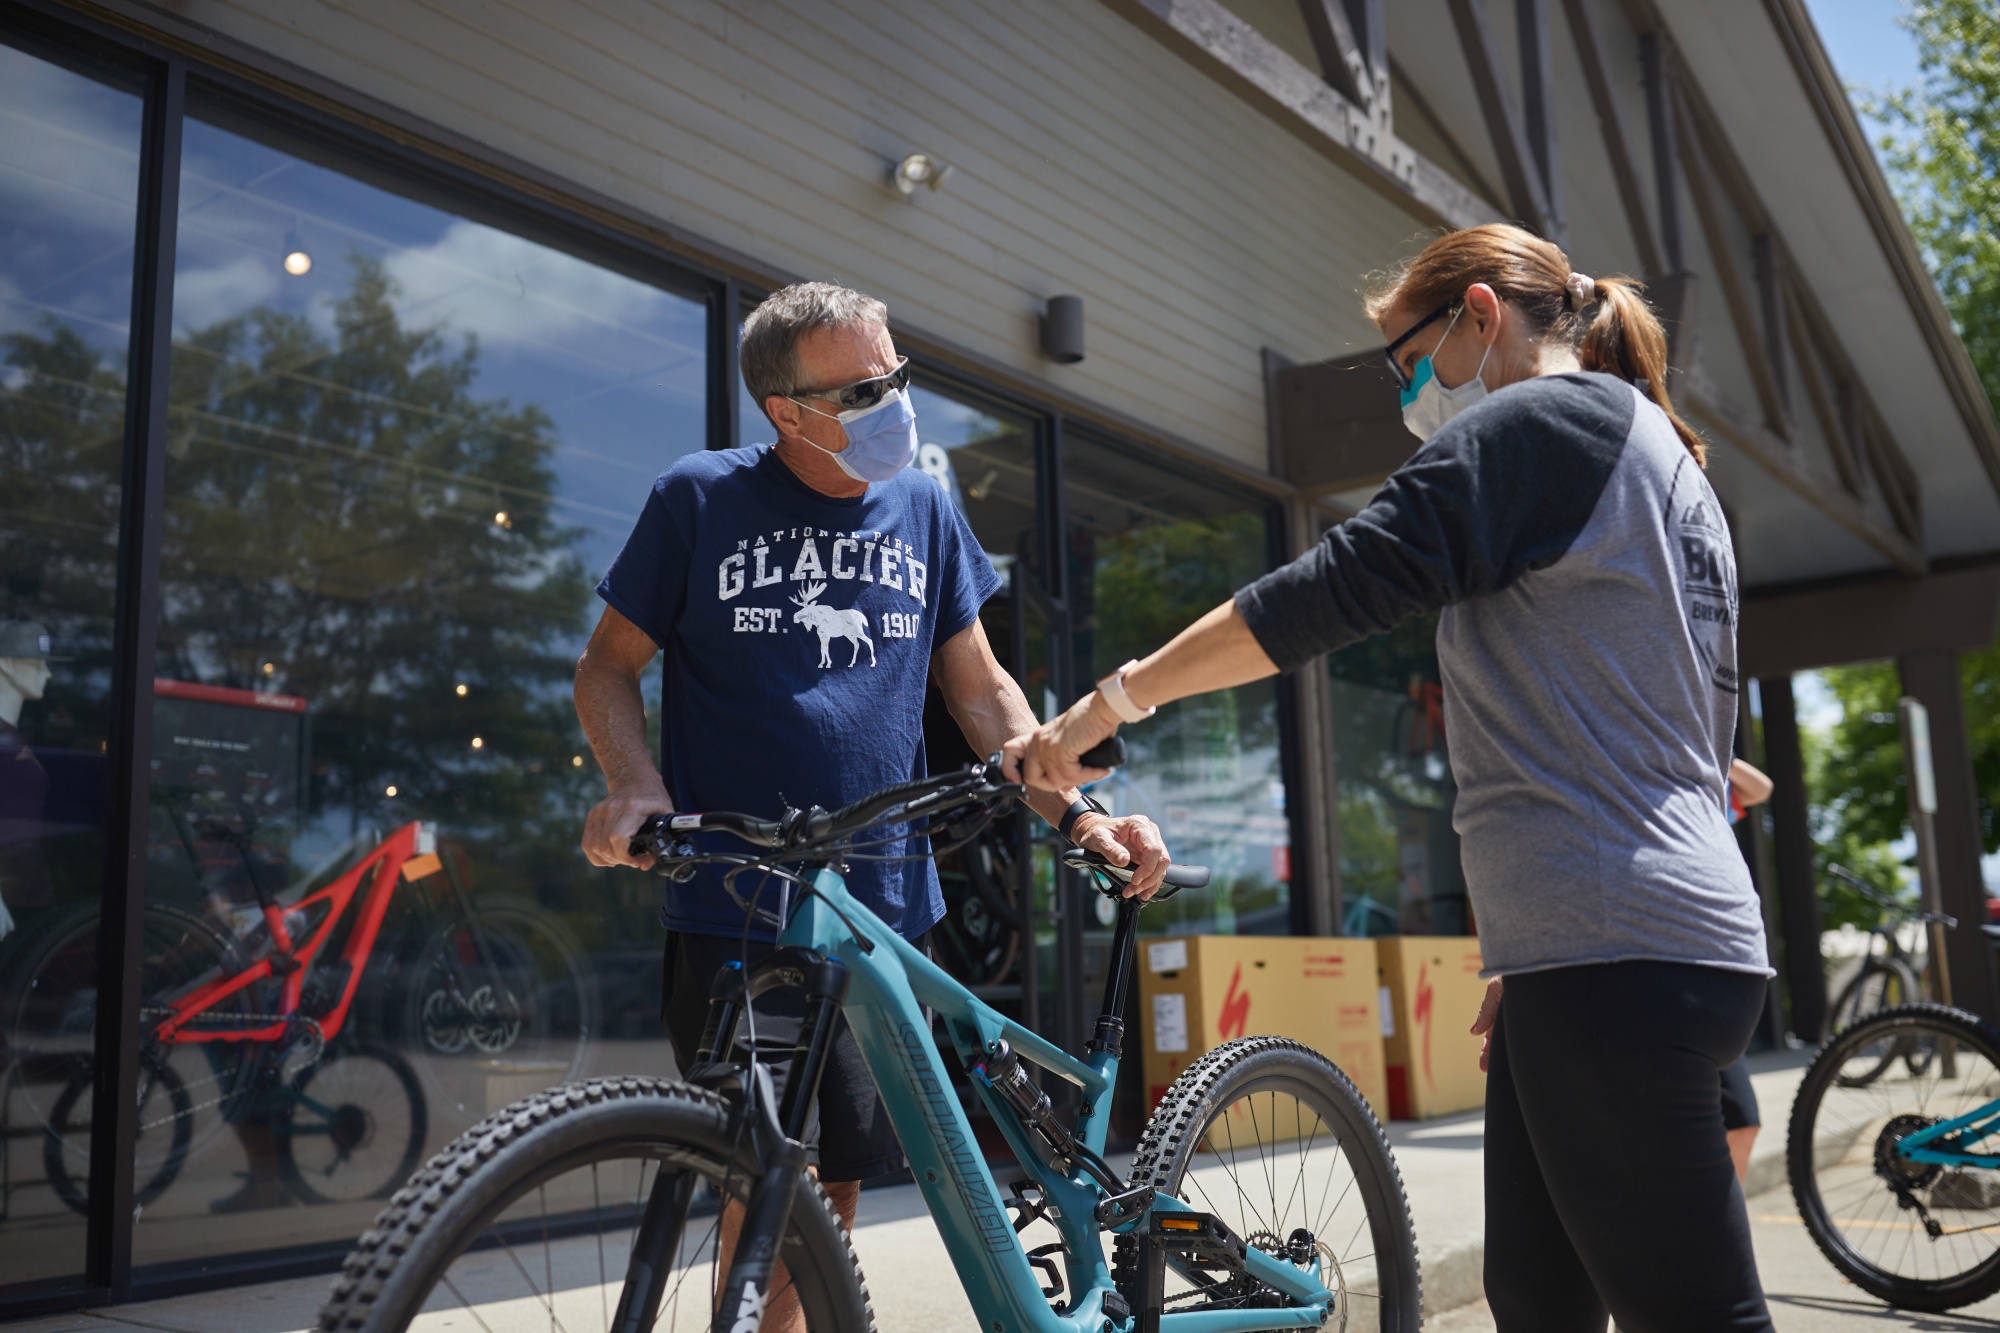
(191, 1086)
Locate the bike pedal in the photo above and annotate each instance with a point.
(1203, 1240)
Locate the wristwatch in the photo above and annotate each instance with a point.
(1081, 806)
(1112, 687)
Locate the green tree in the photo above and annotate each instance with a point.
(1942, 153)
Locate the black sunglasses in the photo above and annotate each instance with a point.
(863, 393)
(1389, 352)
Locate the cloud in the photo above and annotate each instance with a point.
(204, 295)
(513, 292)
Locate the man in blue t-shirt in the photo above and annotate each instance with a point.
(804, 594)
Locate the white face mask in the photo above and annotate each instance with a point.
(1428, 404)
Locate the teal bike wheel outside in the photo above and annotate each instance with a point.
(1919, 1235)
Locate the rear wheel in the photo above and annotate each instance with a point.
(355, 1127)
(1919, 1235)
(530, 1219)
(1270, 1137)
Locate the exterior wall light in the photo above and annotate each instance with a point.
(1062, 330)
(919, 169)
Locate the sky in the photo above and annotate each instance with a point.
(1866, 43)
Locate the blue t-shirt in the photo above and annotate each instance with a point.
(798, 631)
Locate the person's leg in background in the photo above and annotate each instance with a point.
(1616, 1070)
(1535, 1281)
(1739, 1116)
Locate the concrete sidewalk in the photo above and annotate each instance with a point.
(910, 1276)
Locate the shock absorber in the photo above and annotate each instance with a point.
(1002, 1068)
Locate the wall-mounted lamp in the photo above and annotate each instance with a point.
(297, 262)
(1062, 329)
(919, 169)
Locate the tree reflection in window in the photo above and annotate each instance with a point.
(348, 520)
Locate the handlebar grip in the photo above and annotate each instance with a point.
(1107, 753)
(645, 842)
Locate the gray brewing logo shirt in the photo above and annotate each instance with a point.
(1588, 646)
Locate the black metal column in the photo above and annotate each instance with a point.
(1798, 896)
(724, 315)
(1932, 679)
(1750, 839)
(142, 505)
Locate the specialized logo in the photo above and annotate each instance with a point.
(830, 624)
(1422, 1014)
(750, 1312)
(1234, 1018)
(960, 1161)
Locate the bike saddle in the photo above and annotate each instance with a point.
(1117, 877)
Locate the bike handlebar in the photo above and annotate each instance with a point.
(1893, 905)
(661, 836)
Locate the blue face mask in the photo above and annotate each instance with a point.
(1427, 404)
(881, 440)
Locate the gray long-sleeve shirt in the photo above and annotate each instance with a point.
(1588, 648)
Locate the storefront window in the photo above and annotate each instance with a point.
(1399, 866)
(404, 443)
(69, 174)
(1149, 550)
(984, 456)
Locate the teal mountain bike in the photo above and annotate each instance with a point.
(1262, 1194)
(1894, 1156)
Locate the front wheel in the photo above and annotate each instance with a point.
(1270, 1137)
(1919, 1235)
(533, 1218)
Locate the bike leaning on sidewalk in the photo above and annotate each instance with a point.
(1262, 1195)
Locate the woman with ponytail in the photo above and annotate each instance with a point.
(1557, 514)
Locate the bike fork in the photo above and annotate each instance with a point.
(747, 1289)
(652, 1261)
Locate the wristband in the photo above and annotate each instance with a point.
(1081, 806)
(1112, 687)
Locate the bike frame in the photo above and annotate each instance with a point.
(411, 848)
(1968, 1128)
(889, 985)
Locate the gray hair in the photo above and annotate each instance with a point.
(769, 350)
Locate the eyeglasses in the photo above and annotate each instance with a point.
(1389, 352)
(863, 393)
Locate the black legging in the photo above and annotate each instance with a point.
(1609, 1189)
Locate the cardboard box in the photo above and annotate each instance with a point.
(1196, 992)
(1432, 988)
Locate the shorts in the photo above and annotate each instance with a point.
(1739, 1099)
(850, 1137)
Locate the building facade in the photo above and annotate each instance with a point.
(342, 341)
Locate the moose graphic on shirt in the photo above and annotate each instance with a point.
(830, 624)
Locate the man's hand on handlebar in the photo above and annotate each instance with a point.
(1130, 840)
(1048, 757)
(607, 832)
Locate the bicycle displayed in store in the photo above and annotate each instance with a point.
(1263, 1194)
(1894, 1156)
(495, 991)
(1892, 976)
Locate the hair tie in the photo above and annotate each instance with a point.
(1582, 289)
